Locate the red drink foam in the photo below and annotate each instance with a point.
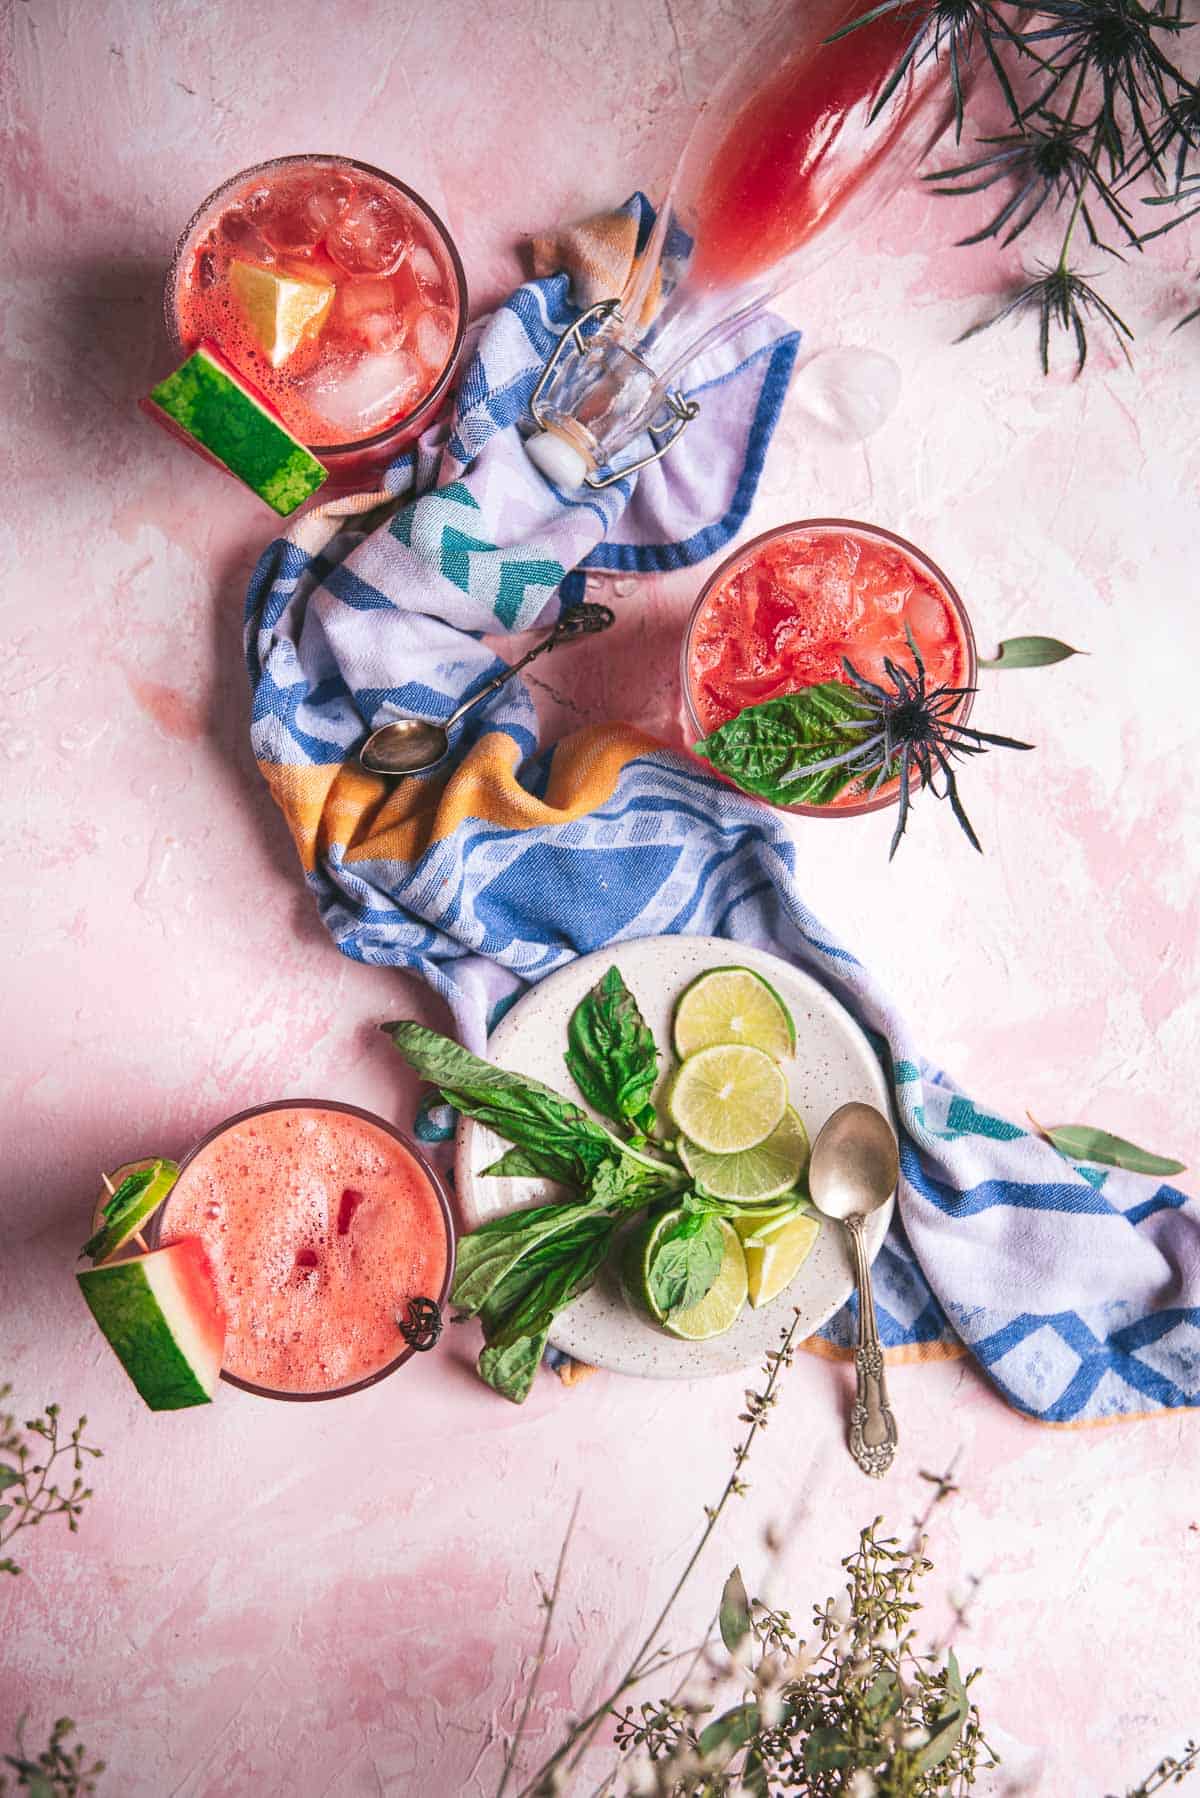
(394, 318)
(786, 612)
(319, 1228)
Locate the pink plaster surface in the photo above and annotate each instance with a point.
(340, 1599)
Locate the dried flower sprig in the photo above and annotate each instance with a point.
(650, 1656)
(61, 1768)
(28, 1496)
(1170, 1771)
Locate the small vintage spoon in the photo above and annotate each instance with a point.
(853, 1171)
(411, 745)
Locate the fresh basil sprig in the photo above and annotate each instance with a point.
(517, 1273)
(559, 1140)
(781, 737)
(612, 1056)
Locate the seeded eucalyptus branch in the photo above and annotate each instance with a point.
(28, 1494)
(61, 1770)
(1097, 103)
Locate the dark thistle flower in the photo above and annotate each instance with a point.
(1061, 297)
(1176, 136)
(946, 27)
(908, 730)
(1189, 190)
(1046, 159)
(1115, 43)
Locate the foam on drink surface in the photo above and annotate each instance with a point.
(788, 612)
(390, 330)
(319, 1227)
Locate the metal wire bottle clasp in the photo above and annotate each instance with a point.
(681, 410)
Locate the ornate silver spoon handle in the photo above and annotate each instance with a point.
(582, 620)
(872, 1423)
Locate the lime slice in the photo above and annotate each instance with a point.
(754, 1174)
(636, 1256)
(721, 1305)
(280, 311)
(774, 1263)
(733, 1005)
(727, 1098)
(763, 1222)
(138, 1191)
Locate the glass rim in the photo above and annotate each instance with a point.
(859, 526)
(154, 1232)
(179, 257)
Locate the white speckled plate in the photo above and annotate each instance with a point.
(833, 1064)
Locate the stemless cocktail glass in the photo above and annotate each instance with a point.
(783, 610)
(373, 369)
(321, 1223)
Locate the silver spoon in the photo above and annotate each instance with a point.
(853, 1170)
(411, 745)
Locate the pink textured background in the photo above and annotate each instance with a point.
(340, 1600)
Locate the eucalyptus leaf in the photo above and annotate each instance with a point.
(1080, 1142)
(612, 1056)
(727, 1733)
(9, 1477)
(947, 1727)
(511, 1371)
(781, 737)
(754, 1777)
(734, 1614)
(1031, 652)
(826, 1751)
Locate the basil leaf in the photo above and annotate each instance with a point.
(734, 1615)
(622, 1183)
(9, 1477)
(687, 1259)
(1031, 652)
(1080, 1142)
(612, 1056)
(782, 736)
(526, 1306)
(511, 1371)
(568, 1145)
(488, 1255)
(525, 1164)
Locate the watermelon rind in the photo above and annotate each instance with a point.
(135, 1199)
(160, 1314)
(205, 399)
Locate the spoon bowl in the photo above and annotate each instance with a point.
(854, 1165)
(414, 745)
(409, 746)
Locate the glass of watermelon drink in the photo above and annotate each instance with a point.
(783, 610)
(336, 291)
(320, 1223)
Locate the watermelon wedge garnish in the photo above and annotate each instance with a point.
(136, 1197)
(162, 1317)
(215, 410)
